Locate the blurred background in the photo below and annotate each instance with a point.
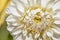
(4, 34)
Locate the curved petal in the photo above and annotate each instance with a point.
(51, 3)
(57, 22)
(56, 6)
(18, 38)
(37, 2)
(57, 15)
(30, 2)
(44, 3)
(10, 28)
(55, 38)
(49, 34)
(12, 10)
(55, 31)
(10, 19)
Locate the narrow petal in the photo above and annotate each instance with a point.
(12, 10)
(57, 19)
(44, 3)
(37, 2)
(30, 2)
(56, 5)
(55, 38)
(57, 22)
(20, 5)
(16, 32)
(57, 10)
(18, 38)
(56, 15)
(29, 38)
(49, 34)
(55, 31)
(10, 28)
(51, 3)
(57, 27)
(10, 19)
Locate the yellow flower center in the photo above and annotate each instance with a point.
(37, 19)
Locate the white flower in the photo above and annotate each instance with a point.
(34, 19)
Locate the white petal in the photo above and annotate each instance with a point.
(57, 15)
(29, 38)
(20, 7)
(56, 6)
(16, 32)
(37, 2)
(50, 3)
(58, 28)
(55, 31)
(57, 19)
(24, 1)
(12, 10)
(10, 28)
(49, 34)
(55, 38)
(19, 38)
(57, 22)
(12, 4)
(16, 24)
(10, 19)
(36, 35)
(19, 27)
(44, 3)
(31, 2)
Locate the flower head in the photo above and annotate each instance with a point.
(33, 19)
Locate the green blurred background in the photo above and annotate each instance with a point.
(4, 34)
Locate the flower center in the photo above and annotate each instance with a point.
(37, 19)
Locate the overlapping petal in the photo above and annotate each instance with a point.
(30, 17)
